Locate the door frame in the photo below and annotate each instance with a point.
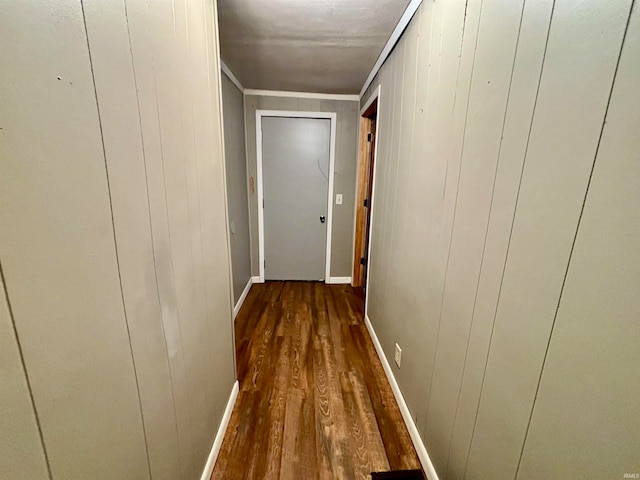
(375, 96)
(332, 116)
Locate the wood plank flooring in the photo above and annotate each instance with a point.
(314, 401)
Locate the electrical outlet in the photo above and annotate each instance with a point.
(398, 355)
(338, 199)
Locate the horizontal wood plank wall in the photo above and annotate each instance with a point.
(114, 243)
(490, 117)
(345, 171)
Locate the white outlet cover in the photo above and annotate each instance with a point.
(398, 355)
(338, 199)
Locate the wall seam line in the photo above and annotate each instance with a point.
(208, 82)
(151, 233)
(26, 374)
(173, 276)
(575, 237)
(515, 211)
(115, 242)
(381, 174)
(178, 321)
(399, 88)
(455, 208)
(464, 28)
(198, 161)
(433, 48)
(412, 103)
(486, 234)
(386, 191)
(423, 16)
(215, 28)
(188, 196)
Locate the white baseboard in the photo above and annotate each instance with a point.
(333, 280)
(217, 443)
(427, 464)
(236, 309)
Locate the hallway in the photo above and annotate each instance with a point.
(314, 401)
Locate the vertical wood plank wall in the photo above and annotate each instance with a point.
(502, 255)
(237, 185)
(117, 351)
(345, 171)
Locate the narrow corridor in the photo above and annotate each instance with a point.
(314, 400)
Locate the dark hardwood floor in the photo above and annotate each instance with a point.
(314, 401)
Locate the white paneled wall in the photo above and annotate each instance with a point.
(113, 246)
(491, 115)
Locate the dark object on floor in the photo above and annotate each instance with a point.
(398, 475)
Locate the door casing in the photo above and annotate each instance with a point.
(332, 116)
(374, 97)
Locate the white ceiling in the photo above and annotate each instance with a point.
(323, 46)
